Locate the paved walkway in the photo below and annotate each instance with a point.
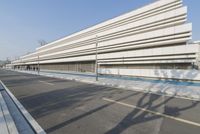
(172, 88)
(7, 125)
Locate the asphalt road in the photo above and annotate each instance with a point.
(69, 107)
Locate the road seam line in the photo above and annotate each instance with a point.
(153, 112)
(46, 83)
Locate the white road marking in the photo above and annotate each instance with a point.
(153, 112)
(47, 83)
(76, 94)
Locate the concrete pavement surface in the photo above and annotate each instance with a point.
(70, 107)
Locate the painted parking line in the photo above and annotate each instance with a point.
(47, 83)
(153, 112)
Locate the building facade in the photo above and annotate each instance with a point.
(155, 36)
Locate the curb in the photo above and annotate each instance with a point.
(31, 121)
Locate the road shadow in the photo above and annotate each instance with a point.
(74, 119)
(137, 116)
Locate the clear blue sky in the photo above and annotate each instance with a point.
(24, 22)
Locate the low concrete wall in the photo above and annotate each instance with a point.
(193, 75)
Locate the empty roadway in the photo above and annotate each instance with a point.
(70, 107)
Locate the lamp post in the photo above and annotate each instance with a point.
(38, 65)
(96, 63)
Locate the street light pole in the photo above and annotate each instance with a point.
(38, 65)
(96, 66)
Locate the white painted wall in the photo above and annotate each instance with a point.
(155, 73)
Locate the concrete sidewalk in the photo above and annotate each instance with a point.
(188, 90)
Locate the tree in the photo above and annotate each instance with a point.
(42, 42)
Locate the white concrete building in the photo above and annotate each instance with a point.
(155, 36)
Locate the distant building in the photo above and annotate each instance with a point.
(155, 36)
(4, 63)
(8, 66)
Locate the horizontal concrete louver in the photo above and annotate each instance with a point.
(156, 33)
(150, 10)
